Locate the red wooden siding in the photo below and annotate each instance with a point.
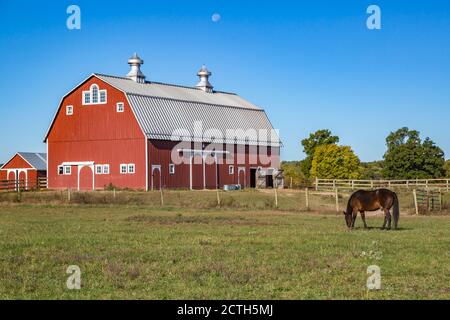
(96, 133)
(159, 153)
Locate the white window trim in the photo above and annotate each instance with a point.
(69, 107)
(171, 168)
(67, 172)
(90, 96)
(61, 167)
(97, 167)
(105, 169)
(120, 104)
(126, 168)
(231, 169)
(131, 165)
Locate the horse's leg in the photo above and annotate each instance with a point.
(354, 214)
(363, 217)
(389, 220)
(385, 221)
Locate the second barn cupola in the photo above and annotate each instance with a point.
(135, 73)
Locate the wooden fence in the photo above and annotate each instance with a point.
(342, 184)
(23, 184)
(427, 200)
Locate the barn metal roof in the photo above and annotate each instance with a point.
(37, 160)
(163, 109)
(163, 90)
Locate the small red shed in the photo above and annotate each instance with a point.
(23, 170)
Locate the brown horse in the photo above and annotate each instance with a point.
(362, 201)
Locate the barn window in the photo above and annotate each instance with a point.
(231, 169)
(69, 110)
(120, 107)
(123, 168)
(171, 168)
(94, 95)
(98, 169)
(60, 170)
(102, 96)
(87, 97)
(67, 170)
(106, 169)
(131, 168)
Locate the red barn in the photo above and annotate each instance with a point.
(133, 133)
(23, 169)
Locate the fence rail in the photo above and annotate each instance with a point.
(427, 184)
(23, 184)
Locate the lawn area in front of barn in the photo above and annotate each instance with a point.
(137, 252)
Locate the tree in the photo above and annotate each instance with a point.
(292, 170)
(335, 162)
(407, 157)
(372, 170)
(447, 168)
(318, 138)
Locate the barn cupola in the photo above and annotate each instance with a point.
(204, 84)
(135, 73)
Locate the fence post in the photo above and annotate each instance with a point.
(218, 197)
(337, 200)
(416, 206)
(290, 184)
(353, 184)
(317, 184)
(440, 200)
(276, 197)
(307, 198)
(162, 197)
(114, 193)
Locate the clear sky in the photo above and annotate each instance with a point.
(309, 64)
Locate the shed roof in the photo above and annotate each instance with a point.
(35, 159)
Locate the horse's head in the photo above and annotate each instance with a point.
(348, 218)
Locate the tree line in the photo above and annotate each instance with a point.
(407, 157)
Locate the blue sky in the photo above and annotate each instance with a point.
(309, 64)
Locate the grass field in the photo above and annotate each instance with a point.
(142, 252)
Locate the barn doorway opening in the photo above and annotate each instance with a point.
(156, 177)
(197, 173)
(253, 177)
(241, 177)
(86, 178)
(269, 181)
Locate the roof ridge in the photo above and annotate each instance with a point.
(195, 101)
(163, 83)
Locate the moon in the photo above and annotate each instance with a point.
(216, 17)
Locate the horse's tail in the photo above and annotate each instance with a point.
(396, 210)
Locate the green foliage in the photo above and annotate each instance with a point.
(447, 168)
(372, 170)
(292, 170)
(407, 157)
(318, 138)
(335, 162)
